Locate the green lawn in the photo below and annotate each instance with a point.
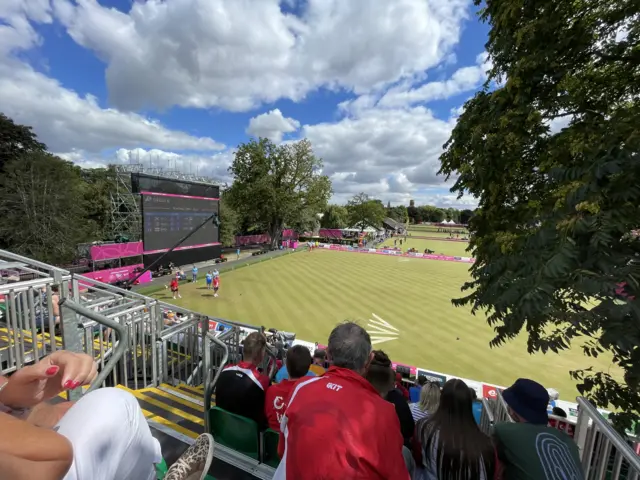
(308, 293)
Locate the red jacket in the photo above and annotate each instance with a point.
(338, 427)
(275, 402)
(261, 377)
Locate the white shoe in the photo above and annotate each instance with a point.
(194, 463)
(215, 294)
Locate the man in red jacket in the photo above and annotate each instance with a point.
(358, 430)
(298, 362)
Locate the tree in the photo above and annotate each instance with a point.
(365, 212)
(277, 185)
(465, 216)
(41, 206)
(98, 184)
(335, 216)
(399, 214)
(16, 140)
(229, 222)
(557, 206)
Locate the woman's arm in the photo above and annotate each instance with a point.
(15, 468)
(23, 440)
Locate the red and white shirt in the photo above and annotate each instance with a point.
(276, 402)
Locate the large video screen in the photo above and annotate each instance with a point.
(168, 218)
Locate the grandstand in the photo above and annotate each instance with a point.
(170, 359)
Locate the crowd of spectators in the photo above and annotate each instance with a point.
(350, 400)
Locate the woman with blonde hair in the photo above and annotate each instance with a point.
(428, 404)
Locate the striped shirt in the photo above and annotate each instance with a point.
(416, 412)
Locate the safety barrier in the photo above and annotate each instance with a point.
(604, 453)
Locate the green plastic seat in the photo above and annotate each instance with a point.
(235, 432)
(270, 440)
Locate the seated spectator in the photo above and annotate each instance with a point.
(69, 440)
(559, 412)
(356, 429)
(414, 392)
(319, 359)
(399, 386)
(298, 362)
(477, 405)
(451, 444)
(283, 373)
(428, 404)
(241, 388)
(395, 396)
(380, 374)
(528, 448)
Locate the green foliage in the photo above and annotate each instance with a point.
(365, 212)
(277, 185)
(16, 140)
(229, 221)
(551, 235)
(41, 215)
(97, 187)
(399, 214)
(335, 216)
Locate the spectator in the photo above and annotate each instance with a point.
(319, 358)
(414, 392)
(451, 444)
(68, 440)
(428, 404)
(476, 405)
(298, 361)
(380, 373)
(403, 390)
(528, 448)
(241, 388)
(283, 373)
(395, 396)
(559, 412)
(357, 429)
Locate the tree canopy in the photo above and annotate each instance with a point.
(41, 215)
(365, 212)
(16, 140)
(335, 216)
(551, 154)
(277, 185)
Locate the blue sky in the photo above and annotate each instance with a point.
(375, 85)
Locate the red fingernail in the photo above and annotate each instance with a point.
(52, 370)
(68, 384)
(75, 385)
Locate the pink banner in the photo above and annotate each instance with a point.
(177, 195)
(390, 251)
(115, 250)
(331, 232)
(113, 275)
(264, 238)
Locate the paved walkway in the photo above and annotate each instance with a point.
(203, 267)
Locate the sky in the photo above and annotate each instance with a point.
(375, 85)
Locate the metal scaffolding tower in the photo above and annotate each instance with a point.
(126, 218)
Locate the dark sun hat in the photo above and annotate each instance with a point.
(528, 399)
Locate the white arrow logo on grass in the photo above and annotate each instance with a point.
(381, 331)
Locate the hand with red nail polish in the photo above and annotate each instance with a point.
(48, 378)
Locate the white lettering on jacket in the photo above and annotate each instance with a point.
(334, 386)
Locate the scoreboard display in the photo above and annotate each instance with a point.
(168, 218)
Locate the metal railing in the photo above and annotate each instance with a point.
(121, 345)
(604, 453)
(486, 418)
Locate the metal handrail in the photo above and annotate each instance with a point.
(588, 413)
(209, 386)
(121, 331)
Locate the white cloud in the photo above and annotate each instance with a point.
(381, 152)
(239, 54)
(272, 125)
(463, 80)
